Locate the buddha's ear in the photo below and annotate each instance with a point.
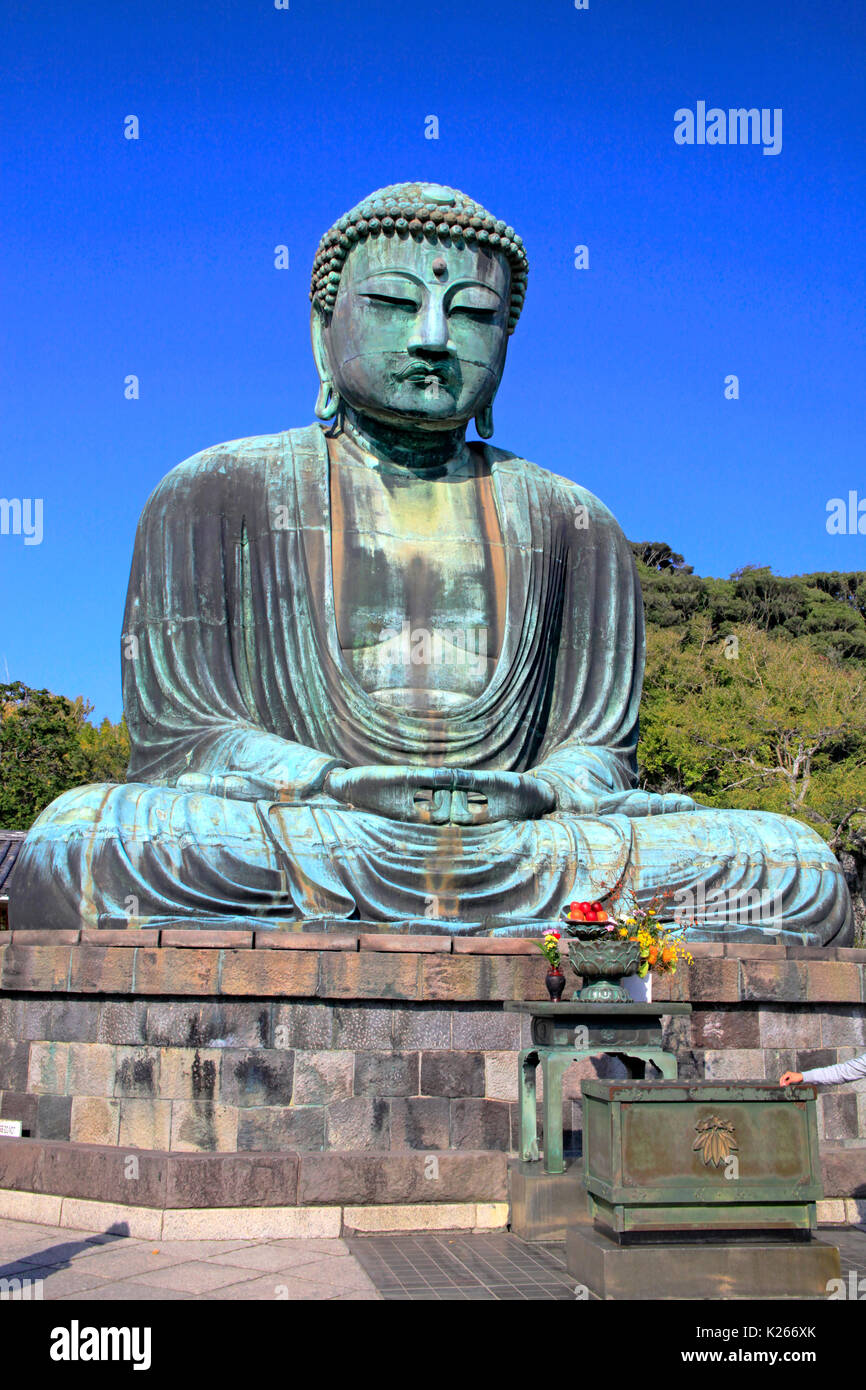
(484, 419)
(327, 401)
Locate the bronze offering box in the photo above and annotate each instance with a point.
(673, 1158)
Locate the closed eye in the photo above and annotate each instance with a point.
(471, 312)
(393, 302)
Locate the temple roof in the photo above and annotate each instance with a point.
(10, 843)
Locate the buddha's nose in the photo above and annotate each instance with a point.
(431, 330)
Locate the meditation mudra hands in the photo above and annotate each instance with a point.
(461, 796)
(441, 795)
(438, 795)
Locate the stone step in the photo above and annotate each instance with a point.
(166, 1180)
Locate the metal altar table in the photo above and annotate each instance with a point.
(568, 1032)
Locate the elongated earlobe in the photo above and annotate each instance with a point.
(484, 422)
(327, 401)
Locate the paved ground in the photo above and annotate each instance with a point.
(78, 1265)
(82, 1266)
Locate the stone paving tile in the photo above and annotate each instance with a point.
(193, 1277)
(267, 1258)
(32, 1229)
(125, 1263)
(10, 1245)
(58, 1281)
(281, 1288)
(201, 1249)
(10, 1268)
(318, 1244)
(131, 1293)
(62, 1253)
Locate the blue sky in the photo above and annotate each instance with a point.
(260, 126)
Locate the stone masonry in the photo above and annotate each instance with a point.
(369, 1043)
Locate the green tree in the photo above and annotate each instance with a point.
(759, 721)
(47, 746)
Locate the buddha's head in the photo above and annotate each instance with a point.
(415, 292)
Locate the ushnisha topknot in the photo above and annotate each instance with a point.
(424, 211)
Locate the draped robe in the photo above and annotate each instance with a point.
(232, 663)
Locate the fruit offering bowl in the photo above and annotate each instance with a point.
(588, 921)
(599, 954)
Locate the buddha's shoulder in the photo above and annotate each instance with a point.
(234, 462)
(557, 491)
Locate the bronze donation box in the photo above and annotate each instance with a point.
(702, 1157)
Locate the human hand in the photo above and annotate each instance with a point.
(791, 1078)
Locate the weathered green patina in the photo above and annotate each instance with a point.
(569, 1032)
(372, 671)
(702, 1157)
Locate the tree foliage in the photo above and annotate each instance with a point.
(48, 746)
(829, 609)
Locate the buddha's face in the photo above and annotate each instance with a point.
(419, 331)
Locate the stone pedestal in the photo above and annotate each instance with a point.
(698, 1270)
(545, 1205)
(385, 1063)
(700, 1190)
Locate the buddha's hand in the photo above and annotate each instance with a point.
(390, 790)
(480, 797)
(235, 786)
(638, 803)
(441, 795)
(272, 784)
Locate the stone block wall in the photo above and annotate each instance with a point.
(345, 1043)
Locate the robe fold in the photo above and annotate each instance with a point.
(239, 702)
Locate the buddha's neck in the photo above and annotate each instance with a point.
(419, 451)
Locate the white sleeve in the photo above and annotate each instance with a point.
(854, 1070)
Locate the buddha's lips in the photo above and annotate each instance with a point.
(418, 373)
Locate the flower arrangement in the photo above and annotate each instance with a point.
(549, 947)
(661, 947)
